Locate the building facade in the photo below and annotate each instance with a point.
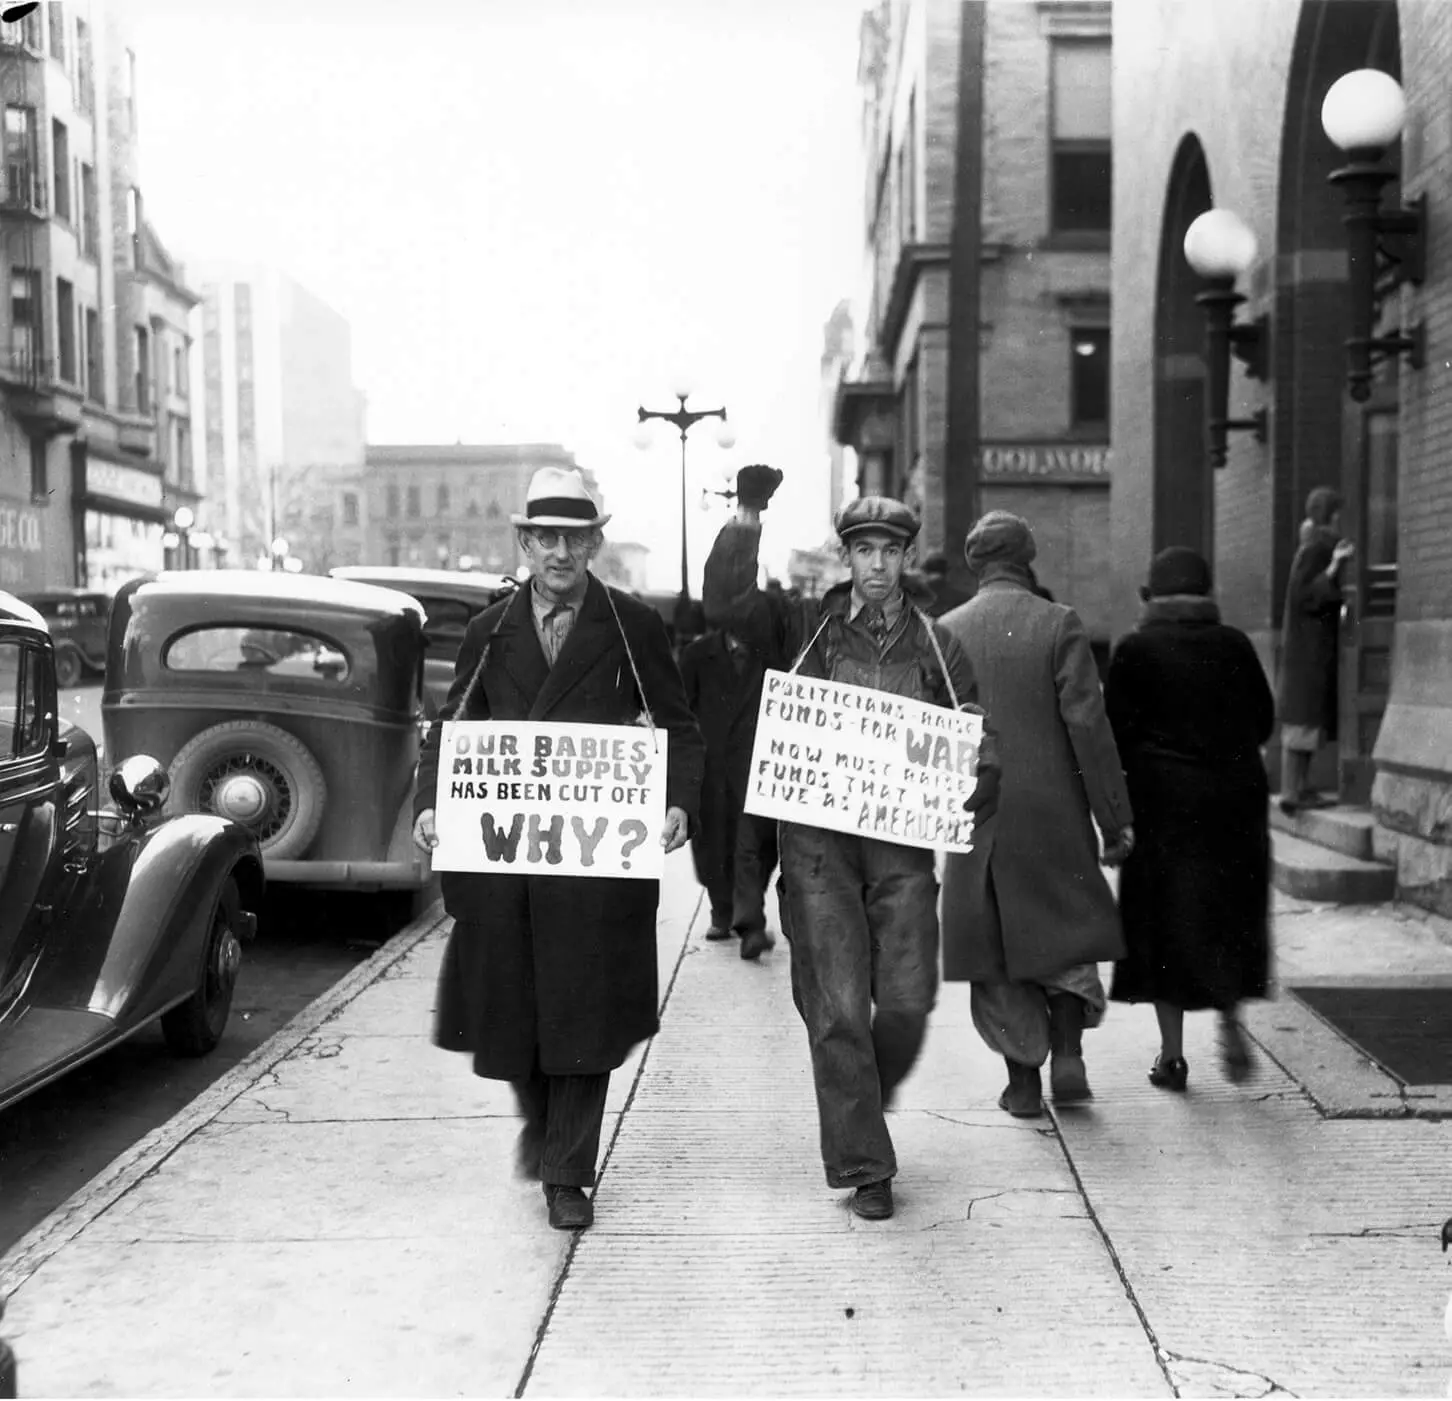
(1219, 106)
(448, 507)
(282, 441)
(95, 435)
(983, 379)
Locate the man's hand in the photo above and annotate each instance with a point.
(983, 802)
(677, 825)
(425, 837)
(1117, 847)
(756, 485)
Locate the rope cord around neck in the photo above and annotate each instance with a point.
(938, 652)
(630, 657)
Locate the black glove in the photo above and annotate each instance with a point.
(984, 801)
(756, 485)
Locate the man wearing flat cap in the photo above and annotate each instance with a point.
(1027, 913)
(860, 915)
(549, 981)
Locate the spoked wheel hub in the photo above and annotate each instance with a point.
(250, 790)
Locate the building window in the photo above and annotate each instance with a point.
(133, 224)
(1081, 163)
(25, 342)
(95, 377)
(184, 470)
(907, 176)
(61, 155)
(177, 361)
(57, 13)
(85, 69)
(1089, 378)
(350, 508)
(415, 507)
(129, 91)
(143, 370)
(393, 507)
(443, 498)
(23, 184)
(30, 32)
(39, 477)
(65, 329)
(90, 212)
(393, 548)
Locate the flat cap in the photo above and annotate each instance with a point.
(877, 513)
(1000, 537)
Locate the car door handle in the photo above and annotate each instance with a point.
(6, 827)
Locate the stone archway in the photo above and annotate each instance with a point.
(1183, 501)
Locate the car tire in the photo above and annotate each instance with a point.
(297, 791)
(195, 1027)
(70, 666)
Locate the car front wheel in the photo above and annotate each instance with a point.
(69, 667)
(195, 1027)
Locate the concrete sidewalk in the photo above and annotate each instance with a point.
(338, 1217)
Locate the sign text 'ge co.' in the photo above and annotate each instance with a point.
(538, 798)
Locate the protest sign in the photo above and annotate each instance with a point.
(852, 759)
(532, 798)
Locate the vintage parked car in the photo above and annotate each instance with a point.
(111, 917)
(289, 703)
(76, 619)
(450, 598)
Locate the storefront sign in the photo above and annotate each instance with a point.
(1065, 461)
(852, 759)
(22, 544)
(121, 483)
(540, 799)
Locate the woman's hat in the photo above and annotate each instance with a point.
(1177, 570)
(557, 497)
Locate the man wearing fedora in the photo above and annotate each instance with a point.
(860, 915)
(549, 981)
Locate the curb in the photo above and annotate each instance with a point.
(147, 1154)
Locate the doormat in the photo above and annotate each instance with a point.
(1407, 1031)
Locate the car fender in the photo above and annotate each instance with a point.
(137, 937)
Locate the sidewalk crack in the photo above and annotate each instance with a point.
(1224, 1378)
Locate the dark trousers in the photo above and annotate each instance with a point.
(861, 917)
(563, 1114)
(755, 860)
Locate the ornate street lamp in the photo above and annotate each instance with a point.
(684, 419)
(1363, 114)
(1220, 246)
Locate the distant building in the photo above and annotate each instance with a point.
(838, 351)
(441, 505)
(982, 379)
(623, 563)
(95, 409)
(283, 441)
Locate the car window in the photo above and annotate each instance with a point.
(22, 695)
(447, 619)
(275, 651)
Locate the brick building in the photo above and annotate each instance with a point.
(95, 407)
(983, 381)
(1219, 105)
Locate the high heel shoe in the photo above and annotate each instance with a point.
(1169, 1074)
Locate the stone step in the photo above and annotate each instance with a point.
(1344, 829)
(1311, 872)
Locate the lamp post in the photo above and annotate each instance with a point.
(278, 553)
(179, 537)
(684, 419)
(1363, 114)
(1220, 246)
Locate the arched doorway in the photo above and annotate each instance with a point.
(1183, 501)
(1321, 437)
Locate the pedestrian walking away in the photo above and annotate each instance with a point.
(1191, 707)
(1027, 914)
(734, 850)
(549, 981)
(1307, 702)
(860, 915)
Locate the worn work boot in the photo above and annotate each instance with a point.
(570, 1208)
(1067, 1077)
(873, 1201)
(755, 943)
(1024, 1096)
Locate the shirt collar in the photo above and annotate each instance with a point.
(891, 607)
(542, 605)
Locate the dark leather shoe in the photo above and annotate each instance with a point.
(1024, 1095)
(570, 1208)
(873, 1201)
(716, 933)
(1069, 1080)
(754, 944)
(1169, 1074)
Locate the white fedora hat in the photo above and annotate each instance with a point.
(557, 497)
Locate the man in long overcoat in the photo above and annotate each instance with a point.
(1307, 701)
(549, 981)
(734, 850)
(1027, 913)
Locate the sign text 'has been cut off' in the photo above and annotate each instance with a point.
(536, 798)
(852, 759)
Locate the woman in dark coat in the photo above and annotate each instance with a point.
(1307, 702)
(1190, 708)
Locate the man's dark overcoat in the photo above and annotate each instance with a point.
(562, 964)
(725, 703)
(1309, 637)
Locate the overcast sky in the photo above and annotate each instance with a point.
(534, 212)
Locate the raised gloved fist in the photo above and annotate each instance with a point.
(756, 485)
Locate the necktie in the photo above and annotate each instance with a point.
(876, 622)
(556, 628)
